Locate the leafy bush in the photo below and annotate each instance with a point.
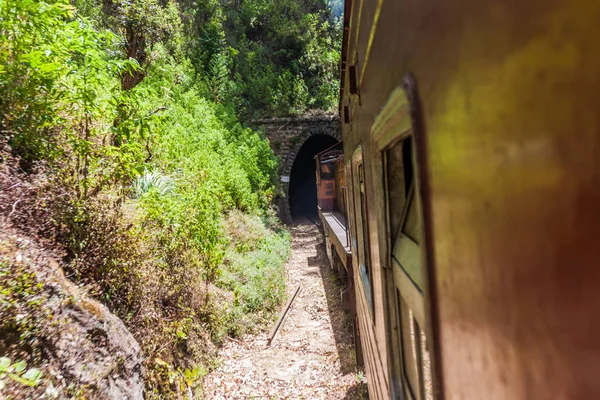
(21, 312)
(25, 322)
(18, 373)
(59, 93)
(253, 267)
(266, 57)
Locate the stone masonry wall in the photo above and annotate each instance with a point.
(286, 136)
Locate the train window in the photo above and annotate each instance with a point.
(415, 354)
(399, 180)
(340, 178)
(348, 202)
(327, 171)
(406, 250)
(409, 347)
(407, 163)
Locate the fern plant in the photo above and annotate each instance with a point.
(153, 180)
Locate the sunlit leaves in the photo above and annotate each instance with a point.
(56, 68)
(18, 373)
(265, 57)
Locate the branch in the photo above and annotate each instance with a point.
(161, 108)
(150, 155)
(14, 207)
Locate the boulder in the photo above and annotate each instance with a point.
(84, 344)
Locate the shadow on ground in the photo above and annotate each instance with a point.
(340, 317)
(341, 321)
(358, 391)
(313, 354)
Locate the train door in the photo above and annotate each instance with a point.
(408, 283)
(351, 233)
(361, 225)
(410, 364)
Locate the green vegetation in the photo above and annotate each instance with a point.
(23, 319)
(269, 57)
(124, 119)
(18, 373)
(21, 309)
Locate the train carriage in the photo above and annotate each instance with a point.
(471, 151)
(333, 212)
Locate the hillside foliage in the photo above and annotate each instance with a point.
(123, 117)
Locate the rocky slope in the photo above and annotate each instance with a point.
(80, 348)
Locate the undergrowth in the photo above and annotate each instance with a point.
(155, 196)
(252, 268)
(21, 312)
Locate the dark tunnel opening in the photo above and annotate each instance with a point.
(303, 181)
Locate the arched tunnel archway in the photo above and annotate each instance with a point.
(302, 192)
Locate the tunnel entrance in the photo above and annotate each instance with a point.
(302, 189)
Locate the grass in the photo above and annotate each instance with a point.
(253, 269)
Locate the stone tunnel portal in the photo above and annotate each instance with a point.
(302, 190)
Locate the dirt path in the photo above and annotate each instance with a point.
(312, 356)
